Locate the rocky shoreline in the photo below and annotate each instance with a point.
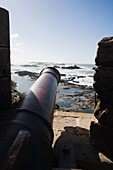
(75, 98)
(71, 98)
(16, 96)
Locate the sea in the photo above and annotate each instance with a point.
(76, 91)
(81, 76)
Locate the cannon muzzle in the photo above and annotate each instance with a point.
(26, 136)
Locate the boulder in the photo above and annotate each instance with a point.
(104, 55)
(71, 67)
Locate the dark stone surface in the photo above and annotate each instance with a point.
(28, 73)
(103, 82)
(71, 67)
(104, 55)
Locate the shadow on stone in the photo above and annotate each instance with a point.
(85, 156)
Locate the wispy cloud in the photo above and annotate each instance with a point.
(16, 43)
(15, 35)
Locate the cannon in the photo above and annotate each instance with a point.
(26, 135)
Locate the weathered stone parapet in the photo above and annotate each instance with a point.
(104, 55)
(101, 133)
(5, 73)
(103, 81)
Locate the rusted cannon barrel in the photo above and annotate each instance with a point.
(33, 118)
(41, 96)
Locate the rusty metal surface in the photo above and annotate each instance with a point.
(42, 94)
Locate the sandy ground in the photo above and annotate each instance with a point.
(72, 128)
(64, 119)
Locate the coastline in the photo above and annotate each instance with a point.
(75, 98)
(75, 91)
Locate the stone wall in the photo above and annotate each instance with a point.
(103, 82)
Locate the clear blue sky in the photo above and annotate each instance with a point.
(58, 30)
